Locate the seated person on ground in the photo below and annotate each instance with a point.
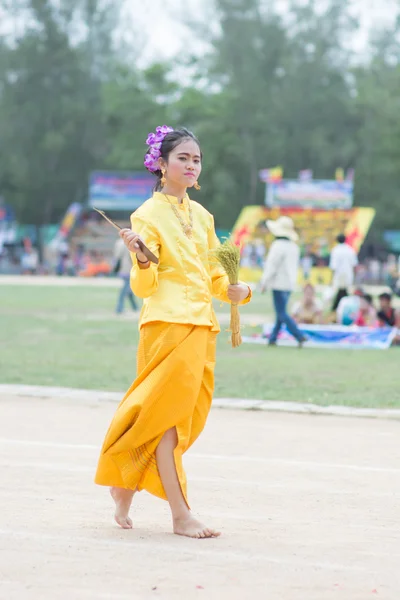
(309, 309)
(387, 315)
(366, 316)
(348, 308)
(97, 266)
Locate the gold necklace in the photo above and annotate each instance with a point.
(187, 227)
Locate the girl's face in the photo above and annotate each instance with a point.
(184, 164)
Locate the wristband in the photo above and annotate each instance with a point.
(142, 262)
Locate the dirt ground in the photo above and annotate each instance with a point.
(308, 507)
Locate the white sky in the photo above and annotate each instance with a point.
(157, 22)
(157, 26)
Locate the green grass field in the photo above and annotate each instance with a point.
(67, 336)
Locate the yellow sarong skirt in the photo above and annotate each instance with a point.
(173, 388)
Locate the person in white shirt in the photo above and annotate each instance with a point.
(280, 274)
(343, 262)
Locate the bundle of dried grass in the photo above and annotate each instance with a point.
(228, 255)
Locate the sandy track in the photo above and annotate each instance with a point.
(308, 506)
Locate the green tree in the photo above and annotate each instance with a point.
(378, 147)
(271, 90)
(134, 103)
(50, 107)
(278, 93)
(235, 113)
(315, 113)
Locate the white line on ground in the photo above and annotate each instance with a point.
(71, 394)
(294, 463)
(67, 500)
(8, 441)
(46, 466)
(216, 555)
(65, 468)
(213, 457)
(73, 592)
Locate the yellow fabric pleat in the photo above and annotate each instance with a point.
(174, 388)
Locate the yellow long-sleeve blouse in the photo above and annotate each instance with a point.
(180, 288)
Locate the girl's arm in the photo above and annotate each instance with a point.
(144, 276)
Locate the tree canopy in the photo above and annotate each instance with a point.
(270, 90)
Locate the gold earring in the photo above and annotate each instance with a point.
(163, 179)
(197, 186)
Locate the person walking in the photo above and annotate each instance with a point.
(342, 263)
(123, 265)
(280, 275)
(166, 408)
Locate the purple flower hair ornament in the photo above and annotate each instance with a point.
(150, 163)
(151, 139)
(154, 141)
(155, 150)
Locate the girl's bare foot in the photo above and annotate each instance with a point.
(123, 501)
(190, 527)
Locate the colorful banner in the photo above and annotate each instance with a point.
(332, 336)
(317, 228)
(317, 275)
(271, 175)
(339, 174)
(70, 219)
(327, 194)
(120, 191)
(305, 175)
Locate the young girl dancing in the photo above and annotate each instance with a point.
(166, 407)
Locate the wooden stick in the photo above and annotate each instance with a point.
(148, 253)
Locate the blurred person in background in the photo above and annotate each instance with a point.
(62, 263)
(246, 256)
(387, 315)
(342, 263)
(280, 275)
(307, 264)
(308, 310)
(79, 258)
(366, 316)
(391, 270)
(97, 266)
(374, 270)
(123, 266)
(29, 260)
(259, 251)
(348, 308)
(361, 275)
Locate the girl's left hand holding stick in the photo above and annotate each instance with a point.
(130, 240)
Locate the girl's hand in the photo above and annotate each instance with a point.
(238, 292)
(130, 240)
